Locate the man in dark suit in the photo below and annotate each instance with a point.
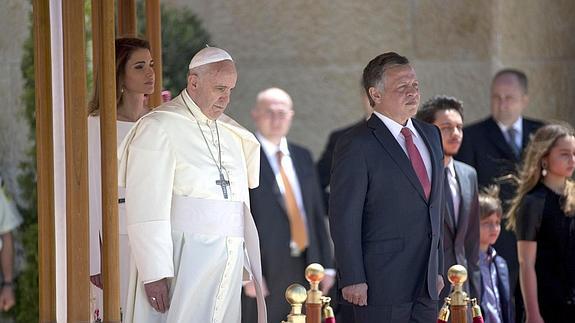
(287, 208)
(461, 216)
(386, 203)
(493, 146)
(325, 160)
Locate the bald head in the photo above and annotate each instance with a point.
(273, 114)
(274, 94)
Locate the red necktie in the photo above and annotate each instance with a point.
(416, 161)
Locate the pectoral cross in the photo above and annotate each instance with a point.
(222, 182)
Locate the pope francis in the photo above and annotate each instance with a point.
(187, 168)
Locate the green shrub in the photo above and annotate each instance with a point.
(26, 308)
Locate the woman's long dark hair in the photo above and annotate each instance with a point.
(124, 49)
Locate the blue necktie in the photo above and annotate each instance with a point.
(512, 133)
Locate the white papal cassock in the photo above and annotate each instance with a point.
(179, 223)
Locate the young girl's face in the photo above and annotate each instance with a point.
(561, 158)
(489, 229)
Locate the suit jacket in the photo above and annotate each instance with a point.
(461, 242)
(507, 311)
(385, 232)
(270, 215)
(325, 161)
(484, 147)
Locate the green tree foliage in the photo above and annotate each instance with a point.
(26, 308)
(182, 37)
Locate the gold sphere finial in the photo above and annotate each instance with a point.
(296, 294)
(314, 273)
(457, 274)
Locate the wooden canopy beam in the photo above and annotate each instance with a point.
(154, 35)
(45, 162)
(76, 142)
(105, 69)
(127, 22)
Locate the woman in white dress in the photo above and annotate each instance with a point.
(134, 82)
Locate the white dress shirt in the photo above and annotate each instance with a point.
(271, 149)
(395, 129)
(454, 189)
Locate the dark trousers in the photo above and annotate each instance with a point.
(557, 313)
(290, 271)
(422, 310)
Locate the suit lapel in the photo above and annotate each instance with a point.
(494, 134)
(268, 177)
(390, 144)
(528, 129)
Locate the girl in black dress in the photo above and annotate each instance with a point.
(542, 215)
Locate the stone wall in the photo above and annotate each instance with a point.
(537, 36)
(13, 128)
(316, 50)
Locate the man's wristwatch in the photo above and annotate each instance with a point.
(7, 283)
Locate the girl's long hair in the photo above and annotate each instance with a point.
(530, 172)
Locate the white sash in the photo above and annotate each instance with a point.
(226, 218)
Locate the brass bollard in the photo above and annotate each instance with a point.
(295, 295)
(457, 275)
(314, 273)
(457, 303)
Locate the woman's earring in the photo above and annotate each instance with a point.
(544, 169)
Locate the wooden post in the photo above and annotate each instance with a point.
(127, 22)
(76, 135)
(154, 35)
(105, 69)
(45, 162)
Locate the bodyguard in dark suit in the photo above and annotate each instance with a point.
(461, 217)
(494, 146)
(288, 244)
(386, 203)
(325, 160)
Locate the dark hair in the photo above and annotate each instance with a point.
(124, 49)
(521, 77)
(373, 73)
(489, 202)
(438, 103)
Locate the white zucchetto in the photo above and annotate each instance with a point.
(209, 55)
